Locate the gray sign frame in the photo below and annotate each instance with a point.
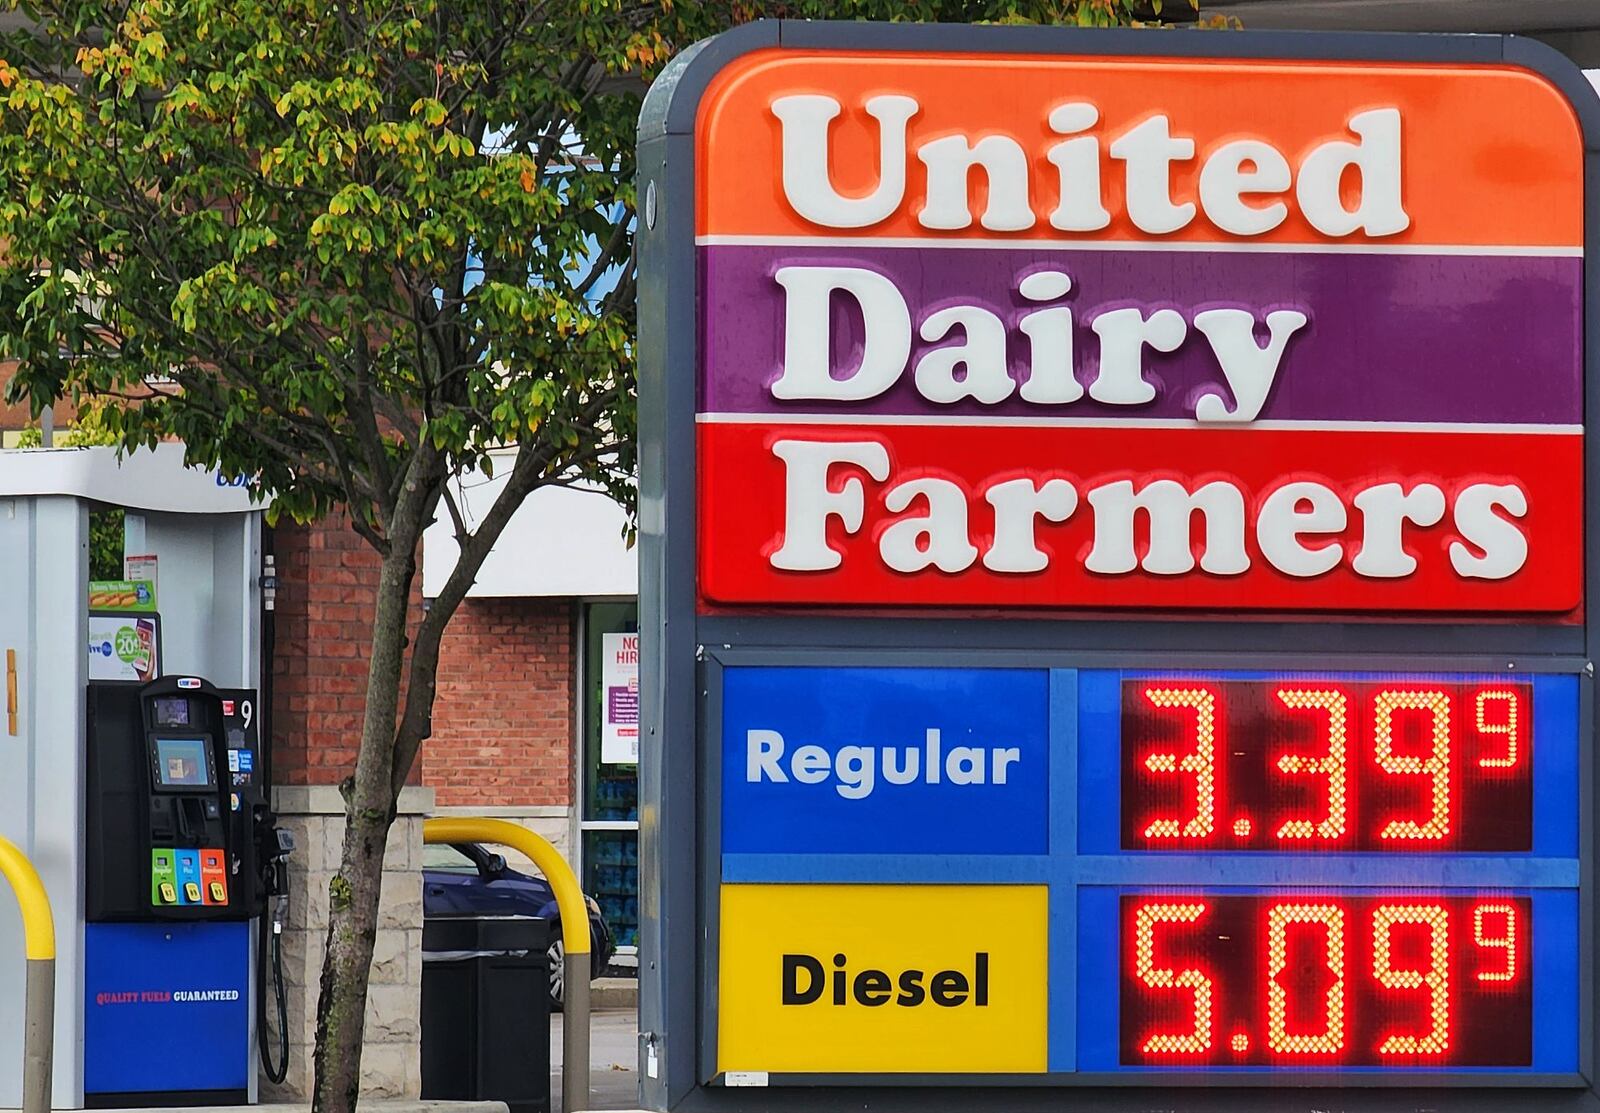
(683, 653)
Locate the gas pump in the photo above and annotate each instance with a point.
(171, 884)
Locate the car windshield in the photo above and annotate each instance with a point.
(443, 856)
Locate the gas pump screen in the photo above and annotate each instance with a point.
(181, 763)
(172, 711)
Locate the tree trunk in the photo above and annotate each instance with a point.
(354, 892)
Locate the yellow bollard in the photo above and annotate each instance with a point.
(39, 941)
(574, 934)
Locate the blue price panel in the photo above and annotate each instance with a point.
(1351, 874)
(864, 760)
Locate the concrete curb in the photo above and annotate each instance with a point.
(614, 993)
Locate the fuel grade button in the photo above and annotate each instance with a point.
(942, 979)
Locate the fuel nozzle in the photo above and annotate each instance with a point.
(274, 844)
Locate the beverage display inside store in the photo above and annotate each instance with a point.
(611, 876)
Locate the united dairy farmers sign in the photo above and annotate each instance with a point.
(1116, 333)
(995, 385)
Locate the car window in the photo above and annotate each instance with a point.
(443, 856)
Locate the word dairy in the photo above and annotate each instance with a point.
(975, 367)
(855, 768)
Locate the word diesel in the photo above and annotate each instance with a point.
(873, 988)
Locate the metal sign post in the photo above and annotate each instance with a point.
(1114, 625)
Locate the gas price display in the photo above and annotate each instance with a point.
(1283, 980)
(1320, 765)
(1379, 871)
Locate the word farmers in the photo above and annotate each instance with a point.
(1298, 528)
(854, 769)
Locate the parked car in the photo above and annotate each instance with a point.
(465, 879)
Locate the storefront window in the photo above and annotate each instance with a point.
(610, 818)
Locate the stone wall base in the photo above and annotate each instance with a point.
(554, 822)
(391, 1059)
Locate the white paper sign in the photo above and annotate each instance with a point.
(619, 699)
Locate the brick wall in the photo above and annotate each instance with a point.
(503, 718)
(503, 721)
(19, 415)
(327, 580)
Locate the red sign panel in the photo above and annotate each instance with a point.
(1141, 335)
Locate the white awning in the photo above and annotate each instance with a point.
(560, 542)
(147, 479)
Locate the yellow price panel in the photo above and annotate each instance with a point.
(945, 979)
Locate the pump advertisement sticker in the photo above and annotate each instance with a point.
(886, 979)
(874, 760)
(123, 647)
(1141, 334)
(123, 595)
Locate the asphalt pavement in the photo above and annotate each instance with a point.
(613, 1055)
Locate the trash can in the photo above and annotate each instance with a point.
(486, 1010)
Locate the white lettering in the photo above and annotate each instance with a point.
(1224, 181)
(1249, 368)
(1077, 162)
(1049, 332)
(855, 769)
(763, 748)
(805, 118)
(964, 766)
(1123, 335)
(809, 501)
(938, 538)
(1502, 543)
(1384, 511)
(1282, 523)
(1150, 150)
(1377, 161)
(1170, 507)
(981, 353)
(950, 161)
(1018, 504)
(807, 339)
(811, 765)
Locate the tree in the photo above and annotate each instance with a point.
(347, 250)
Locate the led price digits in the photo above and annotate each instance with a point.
(1266, 980)
(1201, 762)
(1298, 765)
